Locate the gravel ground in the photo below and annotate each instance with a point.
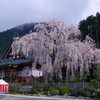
(23, 97)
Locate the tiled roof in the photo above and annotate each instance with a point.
(4, 62)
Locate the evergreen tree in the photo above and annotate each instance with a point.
(91, 27)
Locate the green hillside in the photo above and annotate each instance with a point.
(6, 37)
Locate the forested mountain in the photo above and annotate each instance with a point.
(6, 37)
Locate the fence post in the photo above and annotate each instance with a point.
(66, 84)
(59, 84)
(74, 85)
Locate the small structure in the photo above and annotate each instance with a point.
(18, 68)
(4, 86)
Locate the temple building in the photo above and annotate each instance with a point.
(18, 68)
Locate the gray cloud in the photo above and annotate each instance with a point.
(16, 12)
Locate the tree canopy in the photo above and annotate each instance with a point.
(91, 26)
(58, 50)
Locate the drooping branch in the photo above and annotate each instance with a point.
(54, 46)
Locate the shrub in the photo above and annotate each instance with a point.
(76, 79)
(45, 92)
(54, 92)
(34, 91)
(96, 64)
(7, 78)
(85, 93)
(51, 83)
(74, 92)
(13, 90)
(88, 88)
(98, 94)
(51, 88)
(41, 88)
(64, 90)
(26, 92)
(94, 81)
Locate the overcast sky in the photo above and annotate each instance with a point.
(17, 12)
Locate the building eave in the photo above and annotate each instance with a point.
(5, 62)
